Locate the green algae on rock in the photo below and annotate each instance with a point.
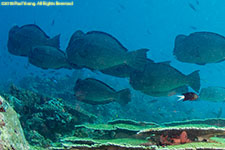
(88, 143)
(220, 122)
(126, 135)
(197, 146)
(121, 124)
(172, 136)
(132, 122)
(110, 131)
(11, 136)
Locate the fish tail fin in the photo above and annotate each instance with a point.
(194, 80)
(181, 97)
(55, 41)
(137, 59)
(124, 96)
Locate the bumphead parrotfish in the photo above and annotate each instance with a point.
(213, 93)
(47, 57)
(99, 50)
(162, 78)
(122, 71)
(200, 48)
(172, 92)
(22, 39)
(93, 91)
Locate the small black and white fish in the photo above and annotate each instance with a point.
(189, 96)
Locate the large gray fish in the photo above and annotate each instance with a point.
(176, 91)
(22, 39)
(47, 57)
(200, 48)
(213, 93)
(98, 51)
(122, 71)
(96, 92)
(162, 78)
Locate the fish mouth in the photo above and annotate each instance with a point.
(79, 95)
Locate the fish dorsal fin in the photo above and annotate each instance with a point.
(166, 62)
(100, 32)
(100, 82)
(179, 38)
(35, 26)
(207, 33)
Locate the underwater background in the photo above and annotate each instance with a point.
(151, 24)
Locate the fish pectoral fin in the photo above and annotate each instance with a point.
(181, 97)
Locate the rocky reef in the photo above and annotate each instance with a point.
(11, 132)
(120, 134)
(50, 123)
(127, 134)
(57, 84)
(220, 122)
(45, 119)
(61, 87)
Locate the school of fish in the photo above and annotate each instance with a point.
(100, 51)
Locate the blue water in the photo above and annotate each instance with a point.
(151, 24)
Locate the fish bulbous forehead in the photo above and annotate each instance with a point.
(13, 29)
